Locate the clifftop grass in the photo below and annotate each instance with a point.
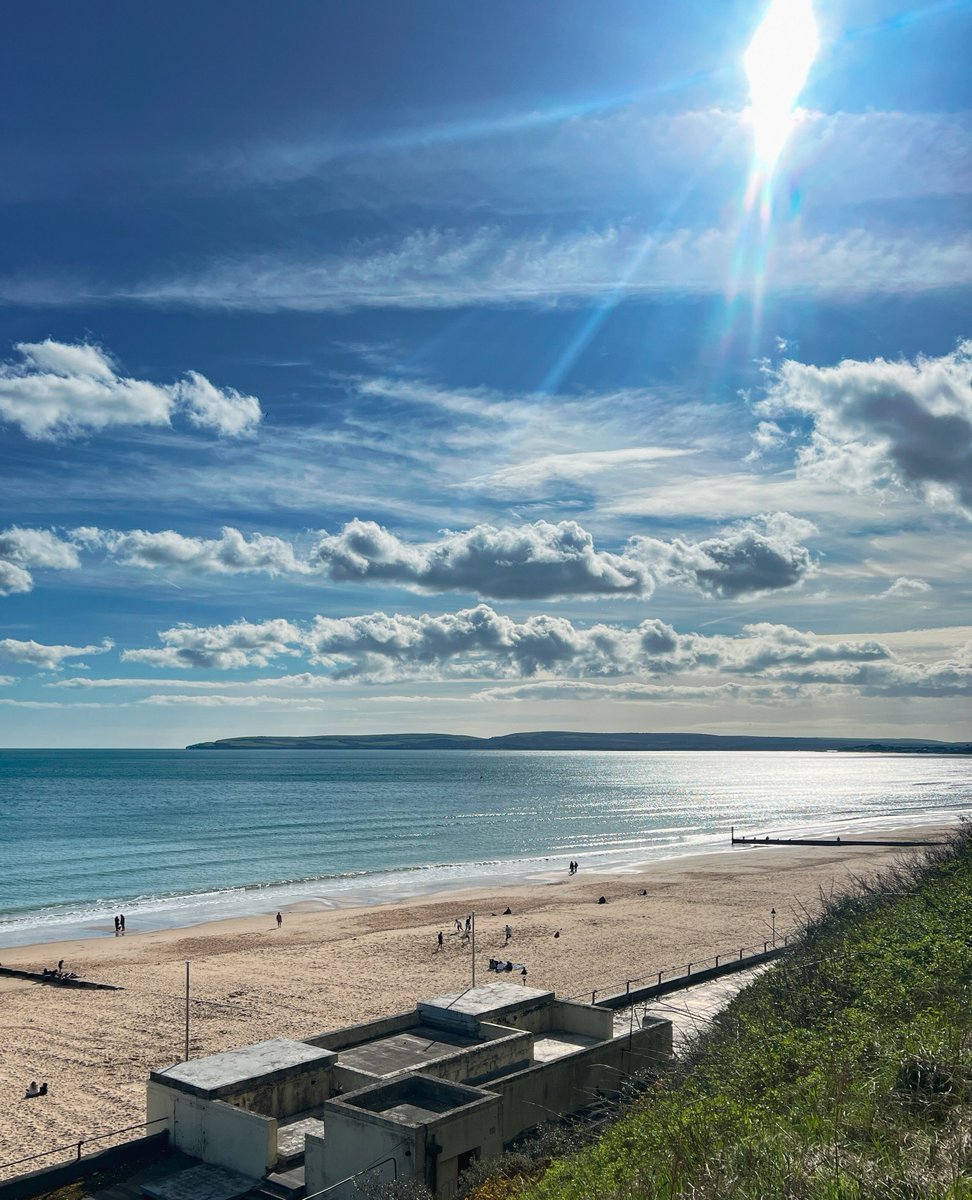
(844, 1072)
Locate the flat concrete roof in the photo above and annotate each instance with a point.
(487, 1002)
(202, 1182)
(555, 1043)
(238, 1070)
(399, 1051)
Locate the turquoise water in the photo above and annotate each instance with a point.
(177, 837)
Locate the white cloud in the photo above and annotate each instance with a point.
(542, 560)
(232, 553)
(14, 580)
(905, 425)
(535, 561)
(22, 549)
(45, 657)
(64, 390)
(481, 643)
(241, 644)
(764, 663)
(753, 557)
(224, 410)
(436, 268)
(903, 586)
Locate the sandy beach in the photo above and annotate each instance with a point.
(251, 980)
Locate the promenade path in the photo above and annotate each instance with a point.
(689, 1010)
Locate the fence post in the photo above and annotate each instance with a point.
(741, 949)
(80, 1144)
(593, 996)
(717, 962)
(659, 978)
(689, 971)
(627, 987)
(765, 944)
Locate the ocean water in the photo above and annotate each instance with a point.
(178, 837)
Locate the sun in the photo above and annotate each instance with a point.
(777, 62)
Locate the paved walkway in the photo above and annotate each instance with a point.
(689, 1010)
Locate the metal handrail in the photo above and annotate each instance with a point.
(96, 1137)
(686, 971)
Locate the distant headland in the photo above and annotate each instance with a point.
(568, 740)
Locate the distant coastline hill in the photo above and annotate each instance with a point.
(567, 740)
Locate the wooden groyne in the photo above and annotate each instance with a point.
(742, 840)
(56, 980)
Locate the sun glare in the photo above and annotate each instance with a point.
(777, 62)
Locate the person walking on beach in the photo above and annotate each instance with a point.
(441, 942)
(117, 926)
(279, 919)
(509, 933)
(121, 922)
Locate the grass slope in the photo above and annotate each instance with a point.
(845, 1072)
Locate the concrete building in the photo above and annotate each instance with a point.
(425, 1093)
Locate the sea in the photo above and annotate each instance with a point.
(174, 838)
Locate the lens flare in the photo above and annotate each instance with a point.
(777, 63)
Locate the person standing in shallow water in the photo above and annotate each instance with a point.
(117, 926)
(121, 922)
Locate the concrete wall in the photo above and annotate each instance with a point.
(308, 1089)
(354, 1142)
(504, 1049)
(588, 1019)
(356, 1035)
(215, 1131)
(357, 1138)
(458, 1133)
(544, 1093)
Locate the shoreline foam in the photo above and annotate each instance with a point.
(352, 890)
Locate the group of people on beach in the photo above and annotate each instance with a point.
(58, 972)
(572, 868)
(120, 925)
(35, 1089)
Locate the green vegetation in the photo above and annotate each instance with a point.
(844, 1072)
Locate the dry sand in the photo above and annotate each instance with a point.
(251, 980)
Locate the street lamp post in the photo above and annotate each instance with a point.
(187, 1010)
(773, 919)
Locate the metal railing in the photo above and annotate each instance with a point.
(667, 974)
(77, 1147)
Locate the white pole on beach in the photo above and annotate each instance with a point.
(187, 1010)
(473, 942)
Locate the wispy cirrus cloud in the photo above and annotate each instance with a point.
(559, 159)
(65, 390)
(442, 268)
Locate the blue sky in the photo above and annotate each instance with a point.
(385, 367)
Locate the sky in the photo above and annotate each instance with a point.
(387, 367)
